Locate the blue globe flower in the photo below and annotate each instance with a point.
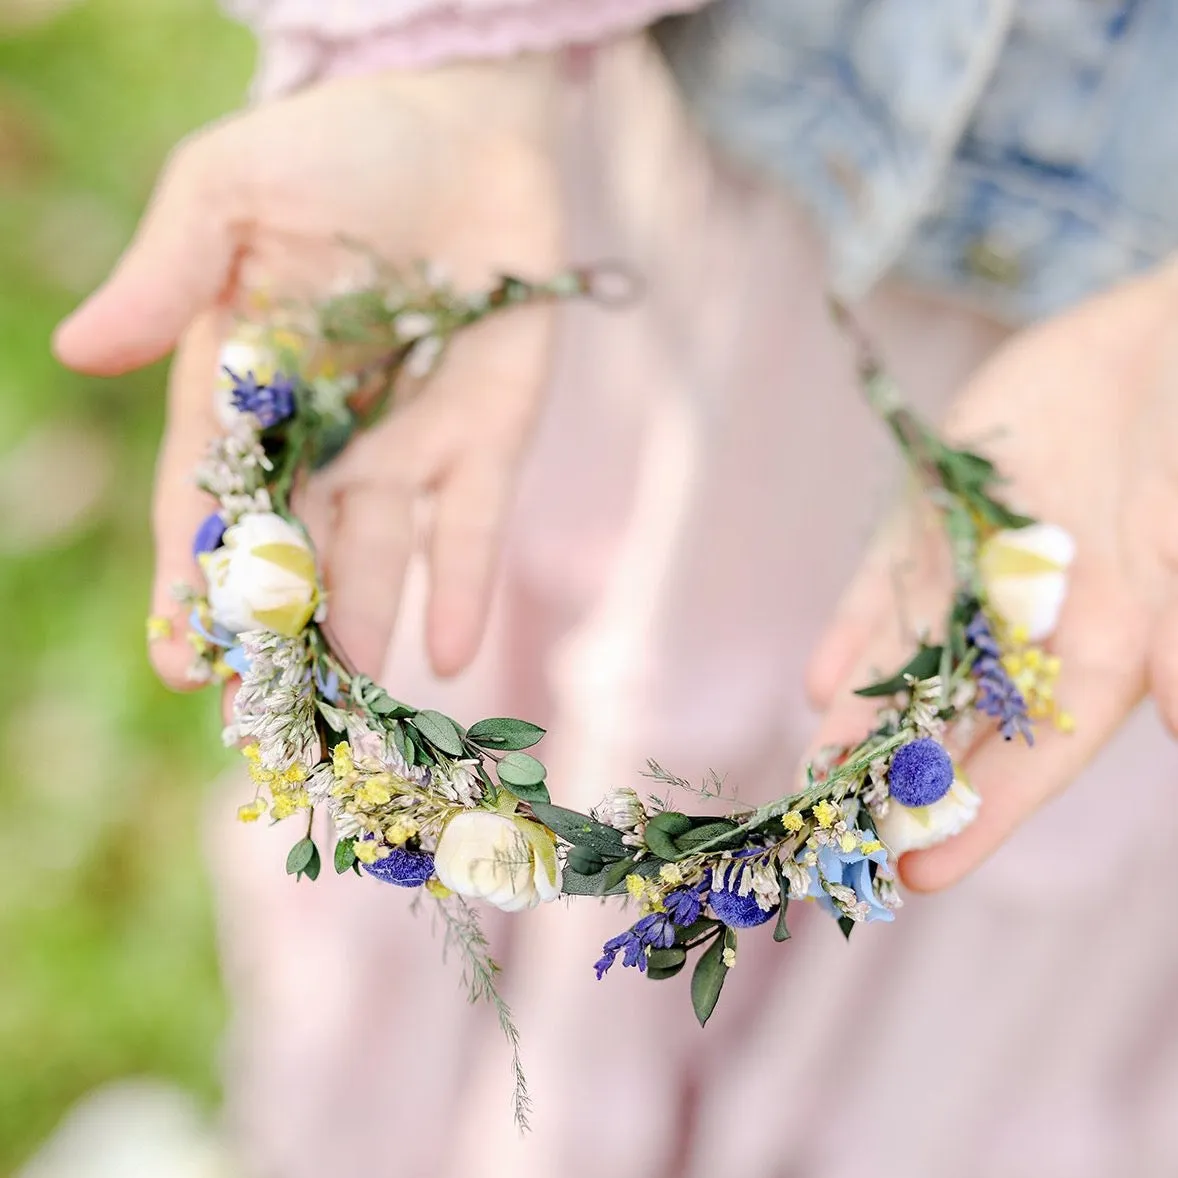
(406, 869)
(921, 773)
(737, 911)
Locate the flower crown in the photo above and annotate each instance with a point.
(418, 801)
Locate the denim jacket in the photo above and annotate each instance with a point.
(1020, 153)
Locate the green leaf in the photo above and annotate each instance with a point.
(691, 932)
(708, 979)
(665, 963)
(505, 733)
(581, 831)
(524, 776)
(383, 704)
(847, 925)
(345, 855)
(300, 855)
(663, 829)
(520, 769)
(923, 665)
(573, 883)
(999, 514)
(780, 932)
(311, 871)
(396, 731)
(336, 718)
(440, 731)
(585, 861)
(614, 876)
(698, 835)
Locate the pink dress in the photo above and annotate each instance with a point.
(676, 548)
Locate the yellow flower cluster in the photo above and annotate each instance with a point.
(287, 792)
(826, 814)
(646, 893)
(1035, 673)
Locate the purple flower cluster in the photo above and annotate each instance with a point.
(270, 403)
(404, 868)
(682, 908)
(997, 694)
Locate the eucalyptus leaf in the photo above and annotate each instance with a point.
(520, 769)
(665, 963)
(345, 855)
(847, 925)
(300, 855)
(314, 864)
(923, 665)
(662, 831)
(336, 718)
(780, 931)
(440, 731)
(396, 732)
(502, 732)
(585, 861)
(615, 876)
(691, 932)
(698, 835)
(581, 831)
(708, 980)
(383, 704)
(573, 883)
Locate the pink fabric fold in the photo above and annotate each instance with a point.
(302, 40)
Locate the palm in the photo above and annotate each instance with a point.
(260, 203)
(1081, 415)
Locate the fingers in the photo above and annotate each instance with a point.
(490, 386)
(861, 613)
(468, 526)
(179, 505)
(1015, 780)
(371, 542)
(180, 262)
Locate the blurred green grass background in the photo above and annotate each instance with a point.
(107, 963)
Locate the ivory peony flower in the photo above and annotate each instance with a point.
(262, 577)
(912, 828)
(508, 861)
(1025, 574)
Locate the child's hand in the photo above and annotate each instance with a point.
(452, 166)
(1082, 415)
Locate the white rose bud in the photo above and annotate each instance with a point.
(621, 808)
(1025, 574)
(508, 861)
(912, 828)
(263, 577)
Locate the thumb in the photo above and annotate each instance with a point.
(179, 263)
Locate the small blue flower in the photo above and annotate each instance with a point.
(737, 911)
(406, 869)
(209, 535)
(236, 658)
(328, 685)
(920, 774)
(997, 694)
(270, 403)
(217, 634)
(654, 931)
(683, 906)
(849, 869)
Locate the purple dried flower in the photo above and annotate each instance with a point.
(654, 931)
(406, 869)
(270, 403)
(920, 773)
(737, 911)
(997, 694)
(683, 906)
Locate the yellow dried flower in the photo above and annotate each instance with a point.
(251, 811)
(826, 814)
(793, 822)
(400, 831)
(159, 628)
(370, 851)
(671, 874)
